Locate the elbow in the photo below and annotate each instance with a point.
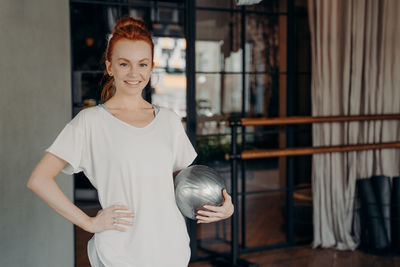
(32, 183)
(29, 184)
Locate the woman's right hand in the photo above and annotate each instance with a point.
(108, 218)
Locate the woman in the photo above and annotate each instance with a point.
(130, 150)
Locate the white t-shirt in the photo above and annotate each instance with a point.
(132, 166)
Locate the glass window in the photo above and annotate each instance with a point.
(269, 6)
(218, 42)
(262, 35)
(217, 4)
(169, 77)
(88, 31)
(218, 94)
(262, 99)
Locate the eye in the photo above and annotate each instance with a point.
(143, 65)
(123, 64)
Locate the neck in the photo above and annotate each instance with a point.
(125, 102)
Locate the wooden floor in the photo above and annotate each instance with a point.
(306, 256)
(265, 226)
(295, 256)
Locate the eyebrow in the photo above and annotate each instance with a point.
(143, 59)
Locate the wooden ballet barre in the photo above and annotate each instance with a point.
(301, 151)
(307, 119)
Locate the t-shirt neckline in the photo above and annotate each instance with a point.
(147, 126)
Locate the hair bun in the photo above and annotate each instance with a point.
(128, 21)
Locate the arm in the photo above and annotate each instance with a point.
(42, 183)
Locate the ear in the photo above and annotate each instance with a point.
(108, 66)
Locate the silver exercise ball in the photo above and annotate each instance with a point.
(196, 186)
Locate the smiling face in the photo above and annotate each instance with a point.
(131, 66)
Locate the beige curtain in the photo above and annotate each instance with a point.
(355, 70)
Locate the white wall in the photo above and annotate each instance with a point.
(35, 103)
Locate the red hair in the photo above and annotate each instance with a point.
(126, 28)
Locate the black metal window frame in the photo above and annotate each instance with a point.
(291, 73)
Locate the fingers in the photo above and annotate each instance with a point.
(120, 221)
(120, 214)
(216, 213)
(213, 208)
(123, 215)
(118, 207)
(119, 228)
(116, 217)
(209, 213)
(109, 219)
(218, 208)
(203, 216)
(116, 222)
(224, 193)
(227, 201)
(204, 219)
(226, 196)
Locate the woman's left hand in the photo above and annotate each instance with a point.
(216, 213)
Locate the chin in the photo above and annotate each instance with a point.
(133, 91)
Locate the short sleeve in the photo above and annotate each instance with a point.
(184, 152)
(68, 145)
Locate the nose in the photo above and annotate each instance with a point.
(133, 71)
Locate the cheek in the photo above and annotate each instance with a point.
(120, 73)
(146, 74)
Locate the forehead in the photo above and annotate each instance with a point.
(132, 50)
